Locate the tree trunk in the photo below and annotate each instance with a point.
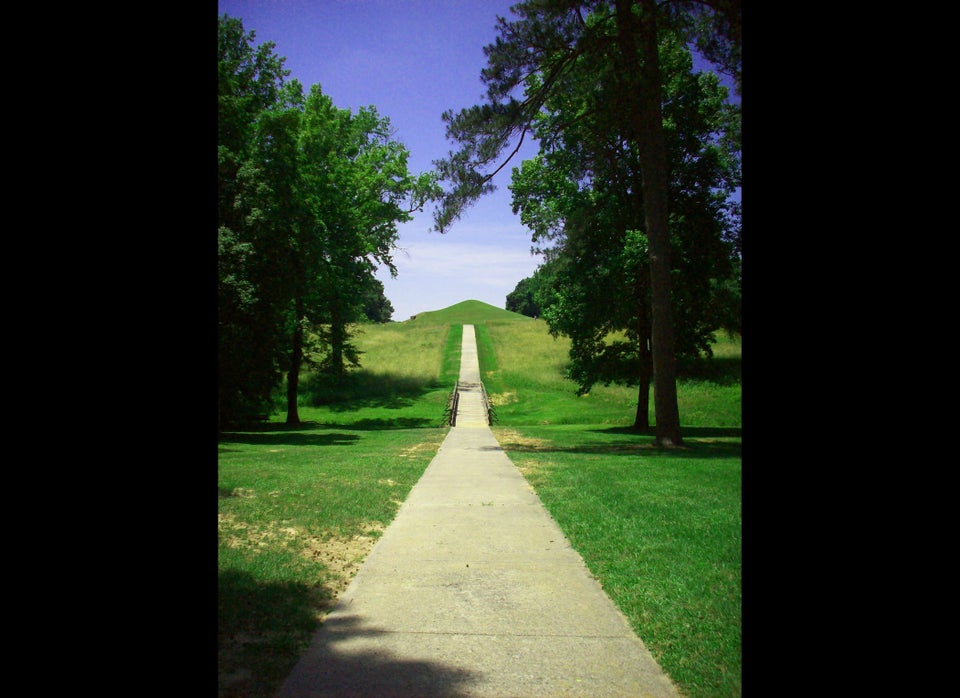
(642, 422)
(296, 359)
(645, 122)
(338, 337)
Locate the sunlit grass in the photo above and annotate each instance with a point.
(291, 502)
(528, 386)
(466, 313)
(660, 529)
(392, 349)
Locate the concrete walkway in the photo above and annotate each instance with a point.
(473, 590)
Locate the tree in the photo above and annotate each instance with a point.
(577, 195)
(287, 252)
(250, 81)
(596, 287)
(533, 53)
(308, 202)
(521, 299)
(355, 188)
(377, 307)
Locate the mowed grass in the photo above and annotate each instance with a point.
(468, 312)
(298, 510)
(660, 529)
(301, 506)
(523, 370)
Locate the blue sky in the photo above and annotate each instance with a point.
(412, 60)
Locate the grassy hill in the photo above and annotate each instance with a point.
(466, 313)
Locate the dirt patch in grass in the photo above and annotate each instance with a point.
(248, 661)
(500, 399)
(508, 438)
(343, 556)
(418, 449)
(512, 439)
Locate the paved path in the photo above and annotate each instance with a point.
(473, 590)
(471, 407)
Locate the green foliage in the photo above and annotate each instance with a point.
(600, 92)
(310, 197)
(354, 180)
(716, 28)
(523, 298)
(578, 195)
(250, 81)
(376, 306)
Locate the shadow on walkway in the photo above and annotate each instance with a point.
(370, 673)
(257, 635)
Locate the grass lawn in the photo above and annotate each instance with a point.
(300, 507)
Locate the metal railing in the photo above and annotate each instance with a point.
(491, 414)
(453, 405)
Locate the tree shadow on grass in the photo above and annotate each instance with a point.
(366, 389)
(354, 393)
(263, 629)
(392, 401)
(697, 444)
(380, 424)
(287, 438)
(310, 433)
(724, 370)
(685, 432)
(634, 449)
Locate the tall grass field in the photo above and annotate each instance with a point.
(300, 507)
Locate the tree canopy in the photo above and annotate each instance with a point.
(590, 80)
(310, 199)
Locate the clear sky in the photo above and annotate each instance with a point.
(412, 60)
